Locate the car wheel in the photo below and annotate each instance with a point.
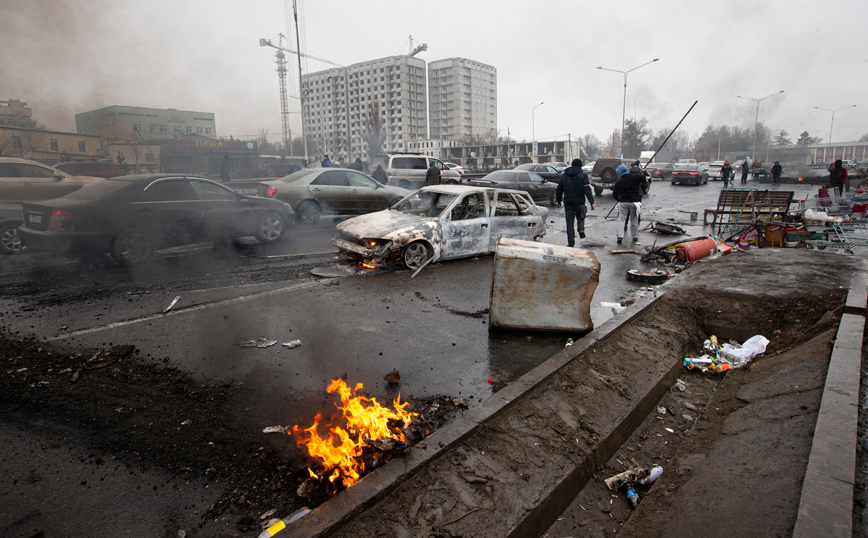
(395, 201)
(269, 228)
(308, 212)
(131, 246)
(598, 191)
(674, 182)
(452, 182)
(553, 201)
(414, 255)
(10, 241)
(404, 184)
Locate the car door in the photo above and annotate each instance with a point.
(225, 213)
(512, 216)
(40, 182)
(365, 195)
(332, 190)
(533, 185)
(167, 208)
(10, 184)
(465, 228)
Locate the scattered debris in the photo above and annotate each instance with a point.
(275, 429)
(663, 228)
(655, 276)
(292, 345)
(459, 402)
(633, 497)
(652, 476)
(661, 410)
(260, 342)
(687, 417)
(670, 430)
(172, 304)
(187, 422)
(626, 251)
(268, 514)
(630, 476)
(616, 307)
(690, 406)
(393, 377)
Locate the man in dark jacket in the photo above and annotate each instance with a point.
(745, 170)
(837, 177)
(776, 172)
(726, 172)
(574, 189)
(628, 190)
(380, 174)
(432, 176)
(357, 165)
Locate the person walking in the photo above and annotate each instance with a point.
(776, 172)
(380, 174)
(357, 165)
(627, 191)
(574, 189)
(432, 176)
(745, 170)
(726, 171)
(224, 166)
(837, 177)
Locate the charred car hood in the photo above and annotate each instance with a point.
(383, 223)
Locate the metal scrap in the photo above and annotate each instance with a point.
(292, 345)
(172, 304)
(260, 343)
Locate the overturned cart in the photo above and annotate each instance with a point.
(537, 286)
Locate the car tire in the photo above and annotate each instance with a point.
(674, 182)
(308, 212)
(395, 201)
(414, 255)
(404, 184)
(269, 228)
(452, 182)
(131, 246)
(608, 175)
(553, 201)
(10, 241)
(598, 191)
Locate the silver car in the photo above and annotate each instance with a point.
(22, 180)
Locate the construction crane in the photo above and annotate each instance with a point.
(417, 50)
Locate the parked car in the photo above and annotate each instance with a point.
(588, 167)
(660, 170)
(440, 223)
(603, 174)
(314, 191)
(22, 180)
(689, 174)
(544, 170)
(10, 220)
(704, 166)
(103, 169)
(407, 170)
(559, 166)
(714, 170)
(540, 190)
(131, 216)
(457, 167)
(685, 162)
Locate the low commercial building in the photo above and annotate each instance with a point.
(200, 155)
(49, 147)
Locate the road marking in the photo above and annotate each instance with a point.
(151, 317)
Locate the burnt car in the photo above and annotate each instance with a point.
(440, 222)
(540, 190)
(689, 174)
(546, 171)
(314, 191)
(131, 216)
(22, 180)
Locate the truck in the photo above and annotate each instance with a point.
(664, 156)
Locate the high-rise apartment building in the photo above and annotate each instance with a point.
(463, 99)
(337, 102)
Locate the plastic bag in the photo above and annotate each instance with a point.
(739, 356)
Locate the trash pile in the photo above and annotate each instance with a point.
(631, 478)
(722, 357)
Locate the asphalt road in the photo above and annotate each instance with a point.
(433, 329)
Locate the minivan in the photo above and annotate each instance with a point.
(407, 170)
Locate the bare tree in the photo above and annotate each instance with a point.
(782, 138)
(265, 147)
(375, 132)
(31, 141)
(806, 139)
(5, 143)
(592, 147)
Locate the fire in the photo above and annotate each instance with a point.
(365, 420)
(368, 266)
(800, 178)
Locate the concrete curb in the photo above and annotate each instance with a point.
(332, 515)
(826, 504)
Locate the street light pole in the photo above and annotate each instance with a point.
(624, 106)
(533, 129)
(756, 116)
(833, 121)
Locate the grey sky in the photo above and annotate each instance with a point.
(65, 57)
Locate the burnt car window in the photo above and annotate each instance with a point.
(471, 206)
(335, 178)
(439, 164)
(509, 205)
(171, 190)
(205, 190)
(424, 203)
(361, 180)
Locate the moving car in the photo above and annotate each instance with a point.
(457, 167)
(660, 170)
(23, 180)
(543, 170)
(714, 170)
(540, 190)
(103, 169)
(407, 170)
(689, 174)
(131, 216)
(440, 223)
(314, 191)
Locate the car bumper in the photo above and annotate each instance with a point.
(52, 241)
(377, 254)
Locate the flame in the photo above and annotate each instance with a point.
(368, 266)
(800, 178)
(365, 419)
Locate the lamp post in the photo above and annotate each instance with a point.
(533, 128)
(756, 116)
(833, 122)
(624, 107)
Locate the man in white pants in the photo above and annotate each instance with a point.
(628, 190)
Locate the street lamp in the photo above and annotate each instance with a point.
(833, 121)
(624, 108)
(533, 128)
(756, 117)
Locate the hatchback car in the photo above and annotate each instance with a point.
(131, 216)
(314, 191)
(440, 223)
(689, 174)
(22, 180)
(540, 190)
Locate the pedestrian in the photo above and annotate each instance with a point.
(432, 176)
(574, 189)
(357, 165)
(380, 174)
(224, 166)
(326, 162)
(776, 172)
(627, 191)
(837, 177)
(745, 170)
(726, 171)
(340, 163)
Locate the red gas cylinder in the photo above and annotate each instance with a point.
(696, 250)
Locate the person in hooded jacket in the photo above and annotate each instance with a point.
(380, 174)
(574, 189)
(628, 190)
(837, 177)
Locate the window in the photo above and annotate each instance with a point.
(178, 130)
(163, 128)
(188, 130)
(137, 127)
(53, 143)
(207, 130)
(152, 128)
(170, 190)
(205, 190)
(81, 146)
(335, 178)
(199, 130)
(360, 180)
(16, 142)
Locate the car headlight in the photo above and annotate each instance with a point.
(375, 243)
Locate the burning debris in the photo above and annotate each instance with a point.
(368, 436)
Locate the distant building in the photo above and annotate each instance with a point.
(49, 147)
(431, 147)
(489, 156)
(16, 113)
(463, 99)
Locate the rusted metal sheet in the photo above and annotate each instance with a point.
(538, 286)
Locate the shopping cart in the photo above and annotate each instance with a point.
(850, 208)
(846, 235)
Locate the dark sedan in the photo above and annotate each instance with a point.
(131, 216)
(690, 174)
(539, 189)
(543, 170)
(660, 170)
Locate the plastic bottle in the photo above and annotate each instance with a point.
(569, 342)
(633, 497)
(722, 367)
(652, 477)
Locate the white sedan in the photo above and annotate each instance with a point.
(457, 167)
(441, 222)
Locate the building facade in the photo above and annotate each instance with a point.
(463, 99)
(16, 113)
(493, 156)
(431, 147)
(338, 102)
(120, 122)
(49, 147)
